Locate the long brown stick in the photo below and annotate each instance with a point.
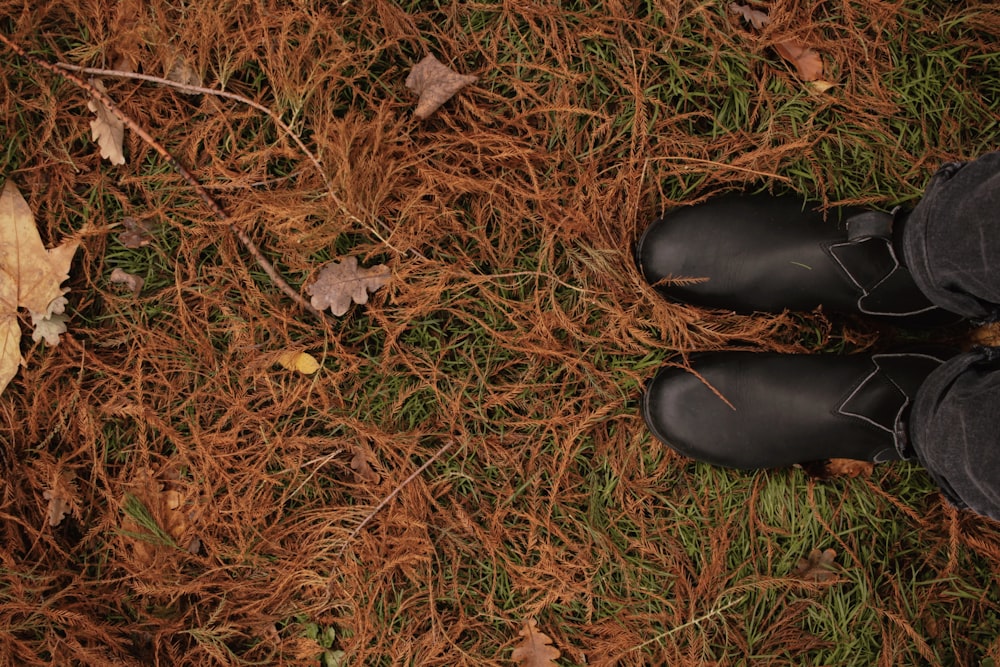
(106, 100)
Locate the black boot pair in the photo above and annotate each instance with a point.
(764, 253)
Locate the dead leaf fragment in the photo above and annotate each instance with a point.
(133, 282)
(849, 468)
(184, 74)
(818, 567)
(362, 468)
(822, 86)
(48, 328)
(303, 362)
(137, 234)
(57, 508)
(107, 129)
(162, 511)
(341, 282)
(806, 60)
(60, 498)
(10, 331)
(435, 83)
(536, 650)
(754, 17)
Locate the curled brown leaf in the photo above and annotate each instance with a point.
(435, 83)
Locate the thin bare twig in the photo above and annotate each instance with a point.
(106, 100)
(122, 74)
(388, 498)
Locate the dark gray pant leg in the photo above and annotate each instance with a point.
(955, 429)
(951, 241)
(951, 244)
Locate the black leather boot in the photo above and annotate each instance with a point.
(769, 253)
(765, 410)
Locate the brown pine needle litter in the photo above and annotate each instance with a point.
(469, 457)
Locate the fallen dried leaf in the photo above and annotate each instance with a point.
(807, 61)
(821, 86)
(340, 282)
(849, 468)
(536, 650)
(107, 129)
(183, 73)
(48, 328)
(10, 331)
(137, 233)
(133, 282)
(435, 83)
(299, 361)
(161, 514)
(57, 508)
(37, 272)
(817, 567)
(60, 498)
(362, 468)
(754, 17)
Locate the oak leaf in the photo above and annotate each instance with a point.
(435, 83)
(536, 649)
(107, 129)
(341, 282)
(60, 498)
(818, 566)
(48, 328)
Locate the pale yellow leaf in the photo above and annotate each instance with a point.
(302, 362)
(10, 331)
(341, 282)
(536, 649)
(821, 86)
(435, 83)
(37, 272)
(106, 129)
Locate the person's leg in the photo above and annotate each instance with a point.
(954, 429)
(951, 240)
